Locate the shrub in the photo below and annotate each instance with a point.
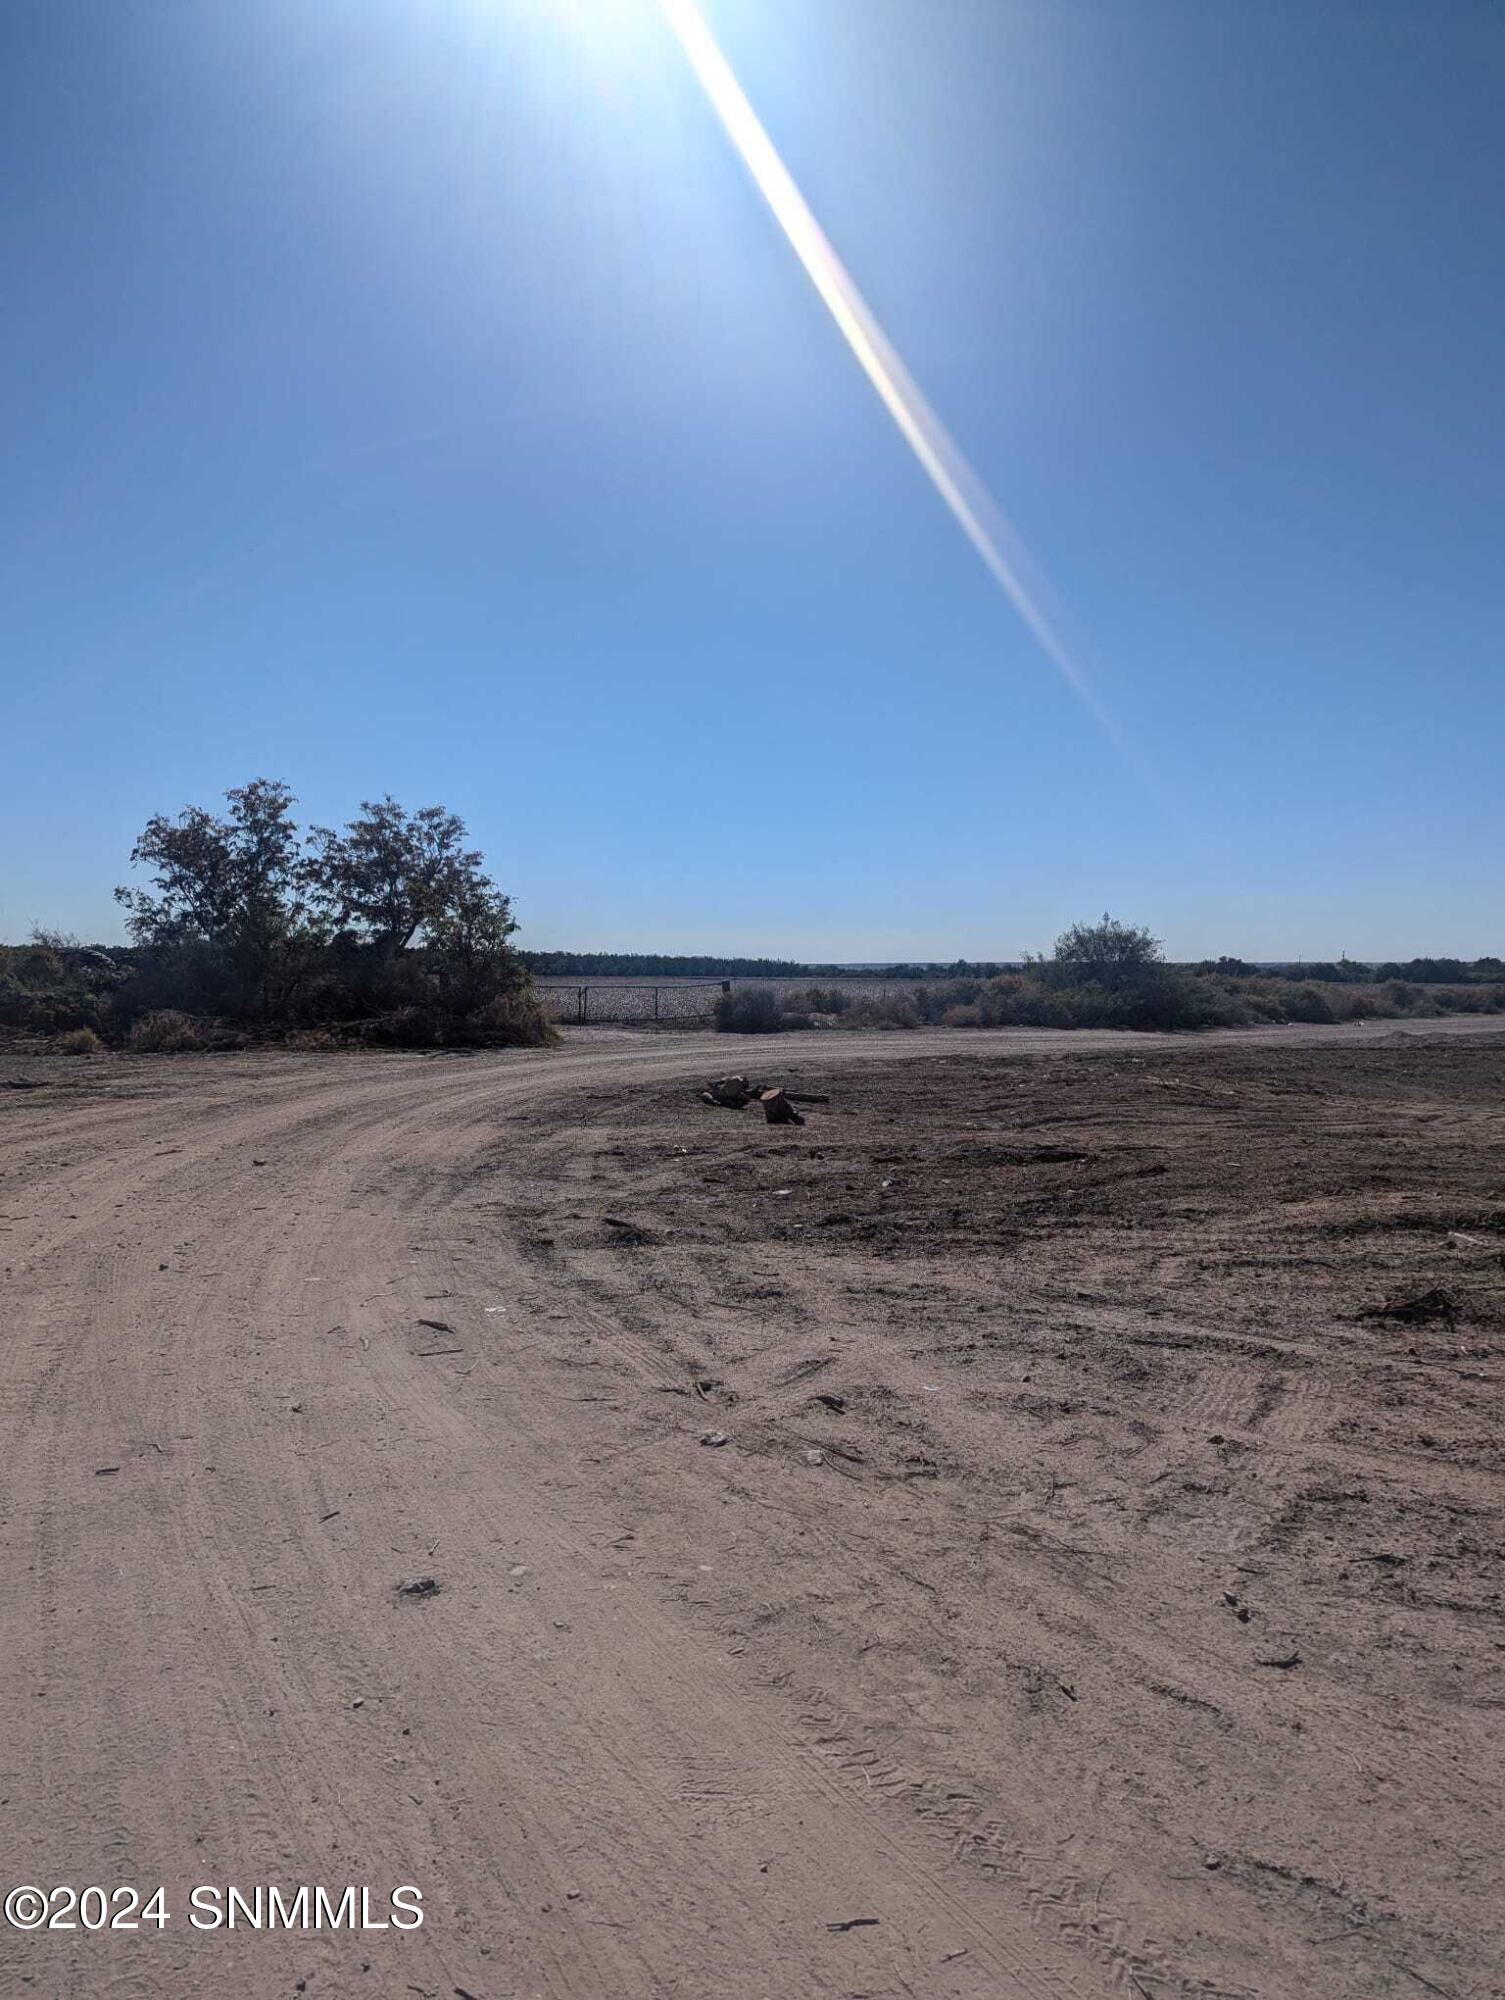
(1462, 999)
(1107, 954)
(1158, 998)
(15, 1002)
(817, 1000)
(185, 976)
(50, 986)
(164, 1033)
(885, 1010)
(966, 1015)
(750, 1010)
(513, 1020)
(1308, 1003)
(80, 1042)
(405, 1028)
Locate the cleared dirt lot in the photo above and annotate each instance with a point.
(1098, 1585)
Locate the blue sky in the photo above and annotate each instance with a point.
(416, 395)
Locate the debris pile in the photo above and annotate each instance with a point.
(735, 1093)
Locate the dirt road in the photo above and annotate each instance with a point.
(922, 1690)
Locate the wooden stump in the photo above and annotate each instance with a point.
(777, 1109)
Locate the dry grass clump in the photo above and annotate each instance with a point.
(79, 1042)
(166, 1032)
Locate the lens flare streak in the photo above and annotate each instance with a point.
(972, 506)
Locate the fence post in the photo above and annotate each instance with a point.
(655, 1003)
(580, 998)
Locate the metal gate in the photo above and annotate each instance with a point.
(603, 1001)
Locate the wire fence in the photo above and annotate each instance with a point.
(578, 1004)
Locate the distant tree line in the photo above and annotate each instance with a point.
(666, 965)
(389, 925)
(707, 965)
(1354, 972)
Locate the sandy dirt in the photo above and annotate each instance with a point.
(1097, 1590)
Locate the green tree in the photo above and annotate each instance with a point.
(1108, 954)
(232, 884)
(468, 943)
(392, 876)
